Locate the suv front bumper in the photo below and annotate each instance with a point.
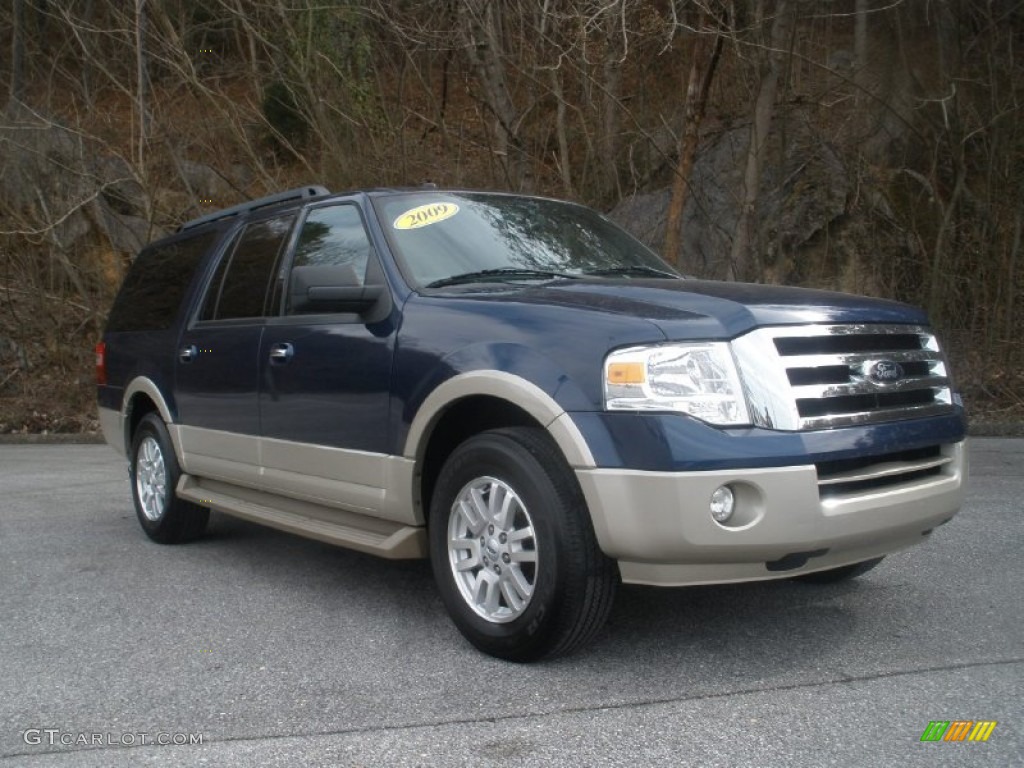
(659, 527)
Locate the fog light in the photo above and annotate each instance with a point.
(722, 504)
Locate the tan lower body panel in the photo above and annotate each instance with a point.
(373, 535)
(658, 525)
(112, 426)
(688, 575)
(356, 481)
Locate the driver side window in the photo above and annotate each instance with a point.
(333, 247)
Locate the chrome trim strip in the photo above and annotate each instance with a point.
(846, 329)
(885, 469)
(867, 387)
(872, 417)
(859, 358)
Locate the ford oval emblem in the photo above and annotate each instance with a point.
(885, 372)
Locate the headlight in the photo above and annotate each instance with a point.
(698, 379)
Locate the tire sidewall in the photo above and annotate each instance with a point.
(151, 426)
(502, 458)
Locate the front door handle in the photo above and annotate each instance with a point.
(188, 354)
(281, 353)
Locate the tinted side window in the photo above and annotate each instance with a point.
(243, 291)
(213, 290)
(156, 284)
(334, 237)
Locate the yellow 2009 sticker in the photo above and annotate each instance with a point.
(424, 215)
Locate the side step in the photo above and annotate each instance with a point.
(383, 538)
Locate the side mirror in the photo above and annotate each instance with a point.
(330, 288)
(342, 298)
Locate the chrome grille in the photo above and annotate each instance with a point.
(819, 376)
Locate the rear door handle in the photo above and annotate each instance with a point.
(281, 353)
(188, 354)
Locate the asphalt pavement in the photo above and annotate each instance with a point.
(278, 651)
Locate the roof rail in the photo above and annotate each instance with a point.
(281, 197)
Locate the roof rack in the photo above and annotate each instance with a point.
(281, 197)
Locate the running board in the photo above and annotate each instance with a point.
(383, 538)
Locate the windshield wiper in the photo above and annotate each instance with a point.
(633, 269)
(500, 272)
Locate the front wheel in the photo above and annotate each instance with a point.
(843, 573)
(154, 474)
(513, 550)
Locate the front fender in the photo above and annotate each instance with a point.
(505, 371)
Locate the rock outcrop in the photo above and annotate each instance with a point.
(804, 192)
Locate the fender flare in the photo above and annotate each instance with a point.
(504, 386)
(146, 386)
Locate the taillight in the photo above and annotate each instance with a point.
(101, 363)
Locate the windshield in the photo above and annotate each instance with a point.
(443, 238)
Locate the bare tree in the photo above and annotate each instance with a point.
(860, 48)
(485, 47)
(17, 91)
(141, 79)
(707, 47)
(616, 37)
(741, 255)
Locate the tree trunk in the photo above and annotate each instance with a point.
(564, 167)
(1010, 273)
(486, 53)
(949, 67)
(547, 33)
(141, 79)
(702, 71)
(17, 92)
(740, 256)
(860, 49)
(611, 92)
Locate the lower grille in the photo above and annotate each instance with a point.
(862, 475)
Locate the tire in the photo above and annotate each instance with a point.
(154, 474)
(843, 573)
(527, 579)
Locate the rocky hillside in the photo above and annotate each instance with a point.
(864, 146)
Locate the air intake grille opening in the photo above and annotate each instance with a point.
(856, 342)
(859, 403)
(864, 474)
(827, 469)
(873, 484)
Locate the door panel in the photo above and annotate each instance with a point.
(332, 391)
(325, 378)
(217, 370)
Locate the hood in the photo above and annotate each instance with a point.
(710, 309)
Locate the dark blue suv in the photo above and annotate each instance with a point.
(521, 391)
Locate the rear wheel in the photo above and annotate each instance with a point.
(842, 573)
(513, 550)
(154, 475)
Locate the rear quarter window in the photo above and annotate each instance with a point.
(156, 283)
